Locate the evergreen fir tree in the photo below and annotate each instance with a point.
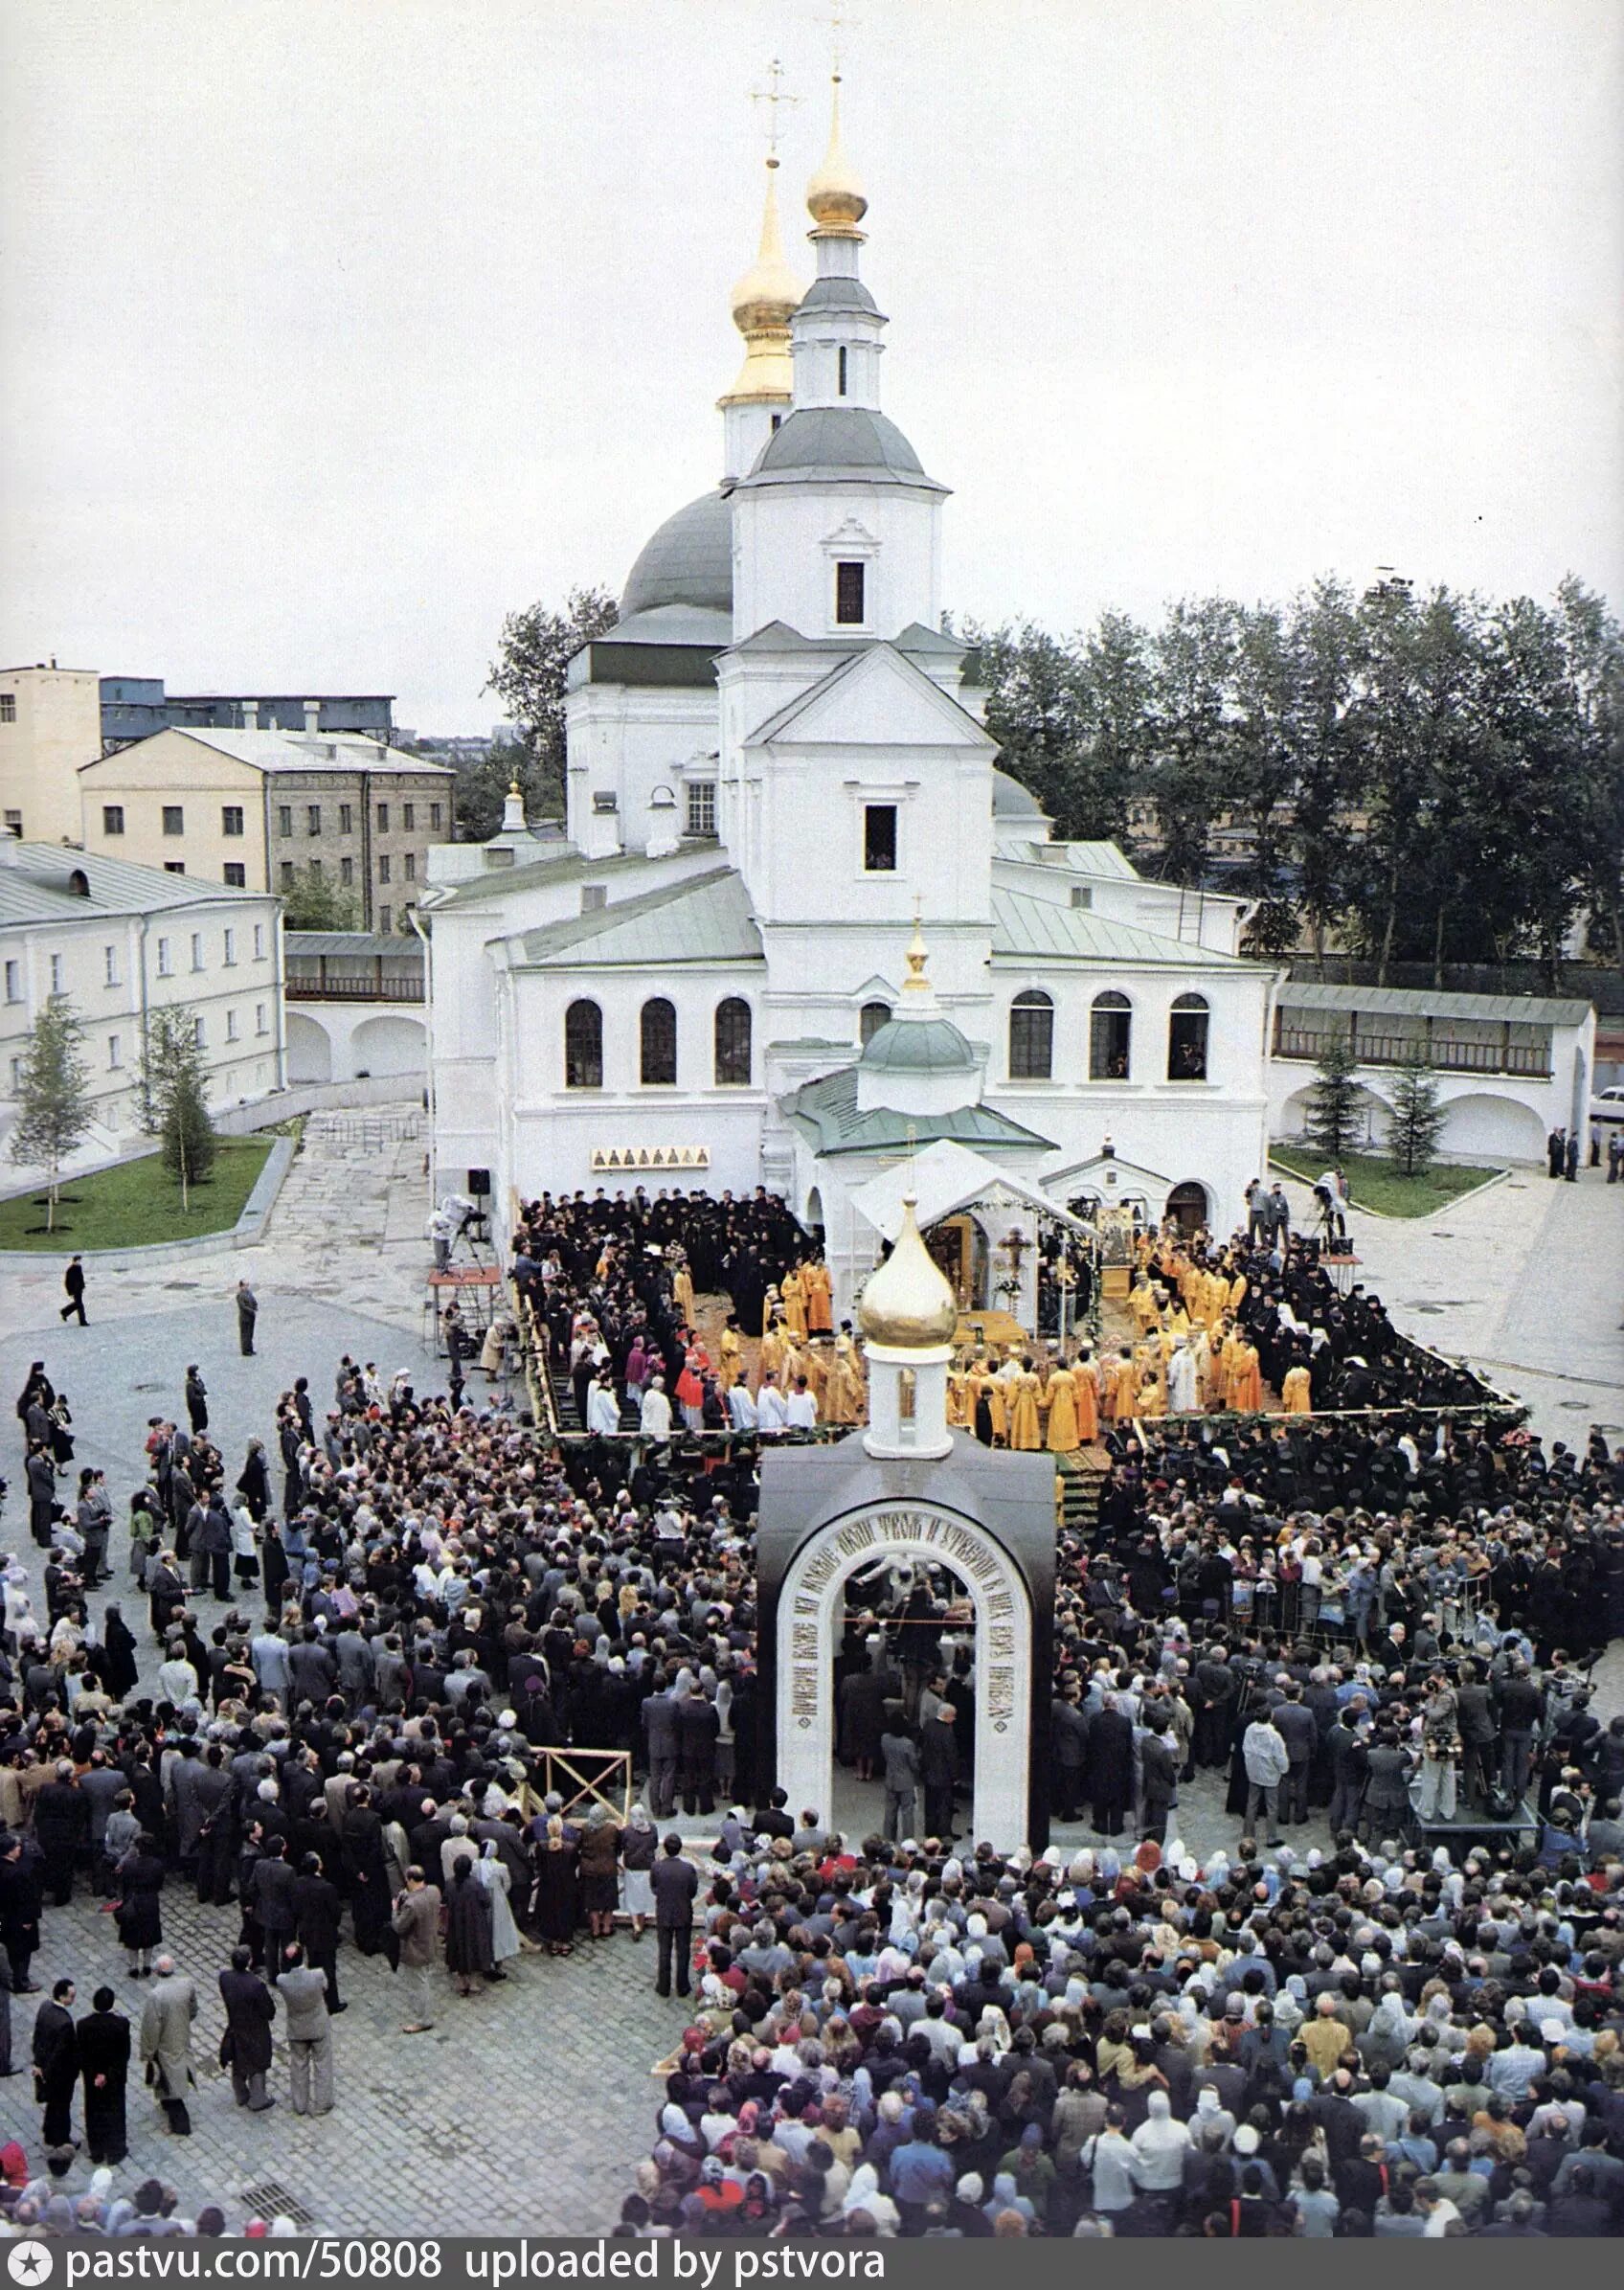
(175, 1100)
(53, 1098)
(1417, 1119)
(1334, 1114)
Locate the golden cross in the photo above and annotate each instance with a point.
(773, 94)
(839, 22)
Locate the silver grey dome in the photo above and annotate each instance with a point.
(837, 439)
(688, 561)
(918, 1046)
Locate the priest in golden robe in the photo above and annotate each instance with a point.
(730, 1354)
(1062, 1437)
(793, 1297)
(819, 1290)
(1025, 1432)
(1296, 1395)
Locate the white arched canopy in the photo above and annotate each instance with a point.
(810, 1621)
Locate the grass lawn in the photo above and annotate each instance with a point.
(137, 1203)
(1373, 1182)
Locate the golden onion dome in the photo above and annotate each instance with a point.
(908, 1304)
(835, 198)
(769, 293)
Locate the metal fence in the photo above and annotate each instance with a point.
(371, 1132)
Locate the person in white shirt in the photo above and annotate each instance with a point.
(770, 1411)
(741, 1407)
(656, 1420)
(603, 1408)
(800, 1409)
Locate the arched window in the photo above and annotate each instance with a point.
(659, 1042)
(871, 1018)
(733, 1044)
(1110, 1029)
(1186, 1038)
(583, 1046)
(1032, 1036)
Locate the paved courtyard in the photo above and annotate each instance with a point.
(528, 2106)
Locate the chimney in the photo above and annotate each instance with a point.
(312, 719)
(251, 715)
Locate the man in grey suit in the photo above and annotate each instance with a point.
(902, 1774)
(309, 2033)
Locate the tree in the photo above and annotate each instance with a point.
(1334, 1118)
(1327, 759)
(530, 675)
(1417, 1119)
(174, 1098)
(1192, 777)
(316, 903)
(54, 1110)
(1593, 644)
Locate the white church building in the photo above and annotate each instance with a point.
(777, 767)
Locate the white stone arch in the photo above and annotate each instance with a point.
(309, 1047)
(809, 1624)
(389, 1044)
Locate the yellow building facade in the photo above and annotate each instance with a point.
(49, 724)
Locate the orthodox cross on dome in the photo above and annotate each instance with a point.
(915, 982)
(773, 94)
(840, 22)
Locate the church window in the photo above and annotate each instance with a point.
(583, 1046)
(842, 361)
(701, 806)
(1111, 1025)
(659, 1043)
(871, 1018)
(879, 837)
(1031, 1038)
(778, 423)
(849, 609)
(733, 1044)
(1186, 1040)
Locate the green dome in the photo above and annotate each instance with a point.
(918, 1046)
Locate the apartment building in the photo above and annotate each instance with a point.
(49, 724)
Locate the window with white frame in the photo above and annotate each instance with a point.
(230, 1025)
(56, 973)
(165, 959)
(260, 1017)
(197, 950)
(115, 1052)
(199, 1039)
(701, 806)
(258, 942)
(231, 948)
(13, 982)
(110, 965)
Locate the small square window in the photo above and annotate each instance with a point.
(230, 818)
(112, 819)
(15, 825)
(849, 607)
(235, 874)
(174, 819)
(879, 838)
(8, 706)
(174, 866)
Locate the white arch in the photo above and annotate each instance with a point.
(390, 1044)
(809, 1624)
(309, 1047)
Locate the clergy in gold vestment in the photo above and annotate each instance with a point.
(730, 1356)
(1085, 1385)
(1246, 1377)
(770, 1308)
(820, 1295)
(769, 1358)
(1061, 1412)
(793, 1297)
(1024, 1429)
(682, 1290)
(1295, 1397)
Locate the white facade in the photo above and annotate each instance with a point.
(119, 942)
(775, 763)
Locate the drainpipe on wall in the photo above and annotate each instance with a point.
(430, 1158)
(277, 920)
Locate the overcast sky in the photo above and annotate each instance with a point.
(333, 330)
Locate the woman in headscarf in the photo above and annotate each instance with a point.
(491, 1872)
(553, 1894)
(639, 1843)
(595, 1867)
(467, 1933)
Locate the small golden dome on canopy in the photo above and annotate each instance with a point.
(769, 293)
(908, 1304)
(835, 198)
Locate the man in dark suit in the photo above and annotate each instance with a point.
(246, 2047)
(676, 1883)
(938, 1767)
(317, 1909)
(55, 2064)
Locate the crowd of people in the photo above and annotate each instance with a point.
(330, 1713)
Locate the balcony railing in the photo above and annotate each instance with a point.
(1529, 1061)
(403, 987)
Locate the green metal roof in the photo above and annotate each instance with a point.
(1036, 929)
(1414, 1002)
(704, 920)
(365, 943)
(569, 867)
(905, 1045)
(34, 886)
(827, 1114)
